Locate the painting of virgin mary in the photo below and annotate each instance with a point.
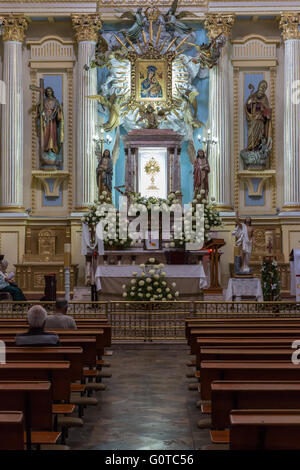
(150, 86)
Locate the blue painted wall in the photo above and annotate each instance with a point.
(255, 200)
(52, 201)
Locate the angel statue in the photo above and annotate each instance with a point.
(172, 22)
(133, 33)
(209, 54)
(114, 104)
(104, 54)
(190, 111)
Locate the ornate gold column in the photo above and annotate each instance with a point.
(289, 24)
(219, 113)
(86, 31)
(11, 168)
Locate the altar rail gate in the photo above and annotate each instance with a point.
(157, 321)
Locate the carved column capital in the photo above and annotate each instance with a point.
(289, 25)
(217, 24)
(14, 28)
(86, 26)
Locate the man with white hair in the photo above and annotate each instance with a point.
(7, 285)
(36, 335)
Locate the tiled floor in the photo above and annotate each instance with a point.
(147, 404)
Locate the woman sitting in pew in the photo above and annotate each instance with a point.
(36, 335)
(7, 285)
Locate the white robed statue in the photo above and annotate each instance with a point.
(243, 233)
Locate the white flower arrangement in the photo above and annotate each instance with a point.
(151, 285)
(155, 203)
(112, 228)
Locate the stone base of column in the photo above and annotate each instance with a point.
(81, 208)
(291, 208)
(12, 209)
(224, 208)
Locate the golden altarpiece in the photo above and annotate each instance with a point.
(41, 209)
(44, 254)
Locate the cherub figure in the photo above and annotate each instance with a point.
(151, 117)
(148, 114)
(101, 54)
(209, 54)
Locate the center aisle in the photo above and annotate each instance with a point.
(147, 404)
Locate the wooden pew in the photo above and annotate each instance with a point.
(34, 400)
(229, 395)
(58, 373)
(239, 323)
(97, 334)
(244, 353)
(73, 355)
(82, 324)
(11, 430)
(216, 351)
(245, 371)
(88, 346)
(265, 429)
(241, 352)
(292, 333)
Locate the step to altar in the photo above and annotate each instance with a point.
(82, 294)
(214, 297)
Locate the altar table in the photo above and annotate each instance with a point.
(190, 279)
(238, 287)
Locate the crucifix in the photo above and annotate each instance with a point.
(41, 91)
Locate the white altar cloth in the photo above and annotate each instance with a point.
(248, 287)
(172, 271)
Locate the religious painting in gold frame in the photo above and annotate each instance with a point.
(151, 78)
(152, 57)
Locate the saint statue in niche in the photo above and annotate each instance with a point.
(105, 173)
(259, 128)
(50, 128)
(150, 86)
(201, 172)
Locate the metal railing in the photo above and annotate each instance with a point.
(149, 321)
(157, 321)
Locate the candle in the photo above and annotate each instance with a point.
(67, 255)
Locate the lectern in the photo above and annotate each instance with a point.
(213, 246)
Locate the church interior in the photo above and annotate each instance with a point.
(149, 225)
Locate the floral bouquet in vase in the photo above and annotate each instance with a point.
(151, 284)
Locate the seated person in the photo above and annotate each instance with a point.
(59, 320)
(36, 335)
(7, 285)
